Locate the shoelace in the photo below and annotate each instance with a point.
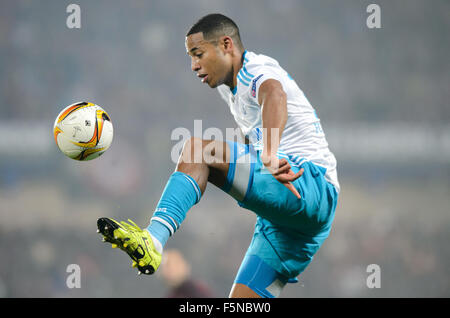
(133, 227)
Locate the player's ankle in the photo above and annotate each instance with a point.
(156, 243)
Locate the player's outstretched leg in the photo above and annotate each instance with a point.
(183, 190)
(200, 161)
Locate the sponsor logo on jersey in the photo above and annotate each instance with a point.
(254, 85)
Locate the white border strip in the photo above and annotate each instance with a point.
(165, 223)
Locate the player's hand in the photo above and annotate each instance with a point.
(281, 170)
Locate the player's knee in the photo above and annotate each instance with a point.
(197, 150)
(192, 150)
(192, 142)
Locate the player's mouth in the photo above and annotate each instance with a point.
(203, 77)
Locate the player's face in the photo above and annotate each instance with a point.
(209, 61)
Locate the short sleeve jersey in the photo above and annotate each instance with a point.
(303, 138)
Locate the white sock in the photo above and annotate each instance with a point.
(156, 243)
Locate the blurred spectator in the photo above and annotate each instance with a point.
(177, 273)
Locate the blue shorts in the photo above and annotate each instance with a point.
(288, 230)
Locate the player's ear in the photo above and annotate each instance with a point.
(227, 43)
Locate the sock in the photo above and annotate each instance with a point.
(159, 235)
(180, 194)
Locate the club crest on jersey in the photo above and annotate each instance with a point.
(254, 85)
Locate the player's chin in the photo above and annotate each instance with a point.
(212, 84)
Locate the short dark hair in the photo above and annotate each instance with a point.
(215, 25)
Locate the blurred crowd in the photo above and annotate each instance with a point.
(129, 57)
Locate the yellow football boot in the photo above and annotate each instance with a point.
(137, 243)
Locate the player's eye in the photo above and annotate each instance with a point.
(199, 55)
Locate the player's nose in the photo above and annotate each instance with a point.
(195, 66)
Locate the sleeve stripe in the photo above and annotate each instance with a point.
(247, 72)
(248, 79)
(243, 82)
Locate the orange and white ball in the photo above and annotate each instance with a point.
(83, 131)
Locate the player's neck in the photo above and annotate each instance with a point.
(237, 65)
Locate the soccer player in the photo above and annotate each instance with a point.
(285, 173)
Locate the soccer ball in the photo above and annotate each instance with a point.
(83, 131)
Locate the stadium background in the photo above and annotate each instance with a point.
(382, 95)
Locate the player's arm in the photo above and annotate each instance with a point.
(272, 98)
